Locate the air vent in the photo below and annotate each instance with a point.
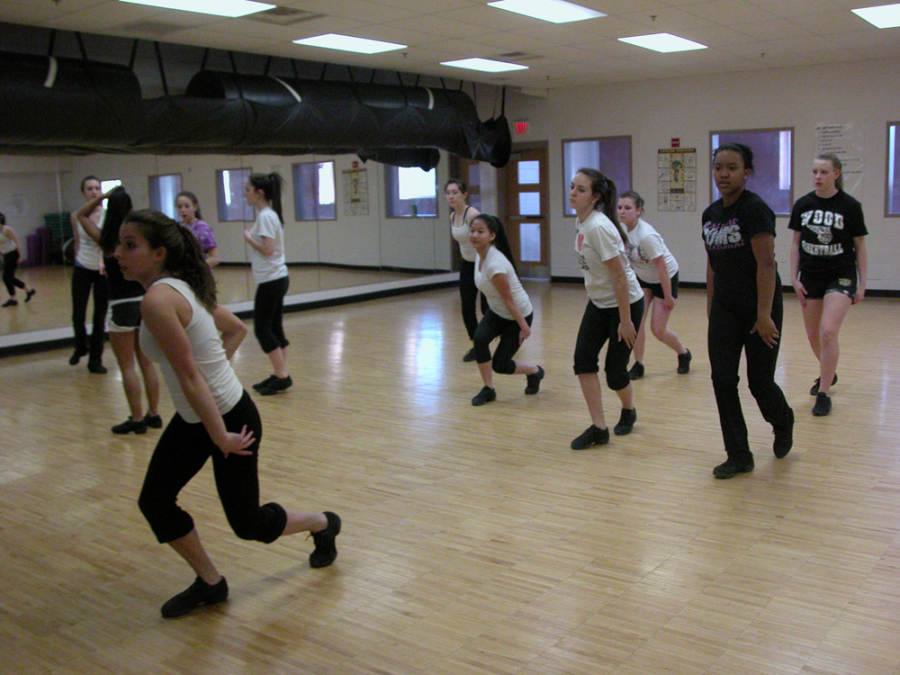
(519, 56)
(284, 16)
(156, 28)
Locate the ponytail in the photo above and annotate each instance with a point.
(270, 184)
(605, 189)
(501, 241)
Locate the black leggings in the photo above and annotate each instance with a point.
(491, 326)
(10, 263)
(83, 280)
(181, 452)
(468, 294)
(729, 335)
(268, 312)
(597, 326)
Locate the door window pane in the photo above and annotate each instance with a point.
(529, 172)
(530, 242)
(529, 203)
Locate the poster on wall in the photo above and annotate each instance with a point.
(676, 172)
(846, 141)
(356, 192)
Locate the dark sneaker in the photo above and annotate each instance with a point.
(131, 426)
(590, 437)
(153, 421)
(814, 390)
(823, 405)
(326, 551)
(731, 468)
(470, 356)
(96, 368)
(784, 437)
(76, 357)
(533, 382)
(626, 422)
(12, 302)
(265, 383)
(684, 362)
(198, 593)
(486, 395)
(279, 384)
(637, 371)
(29, 294)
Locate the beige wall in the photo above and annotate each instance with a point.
(861, 93)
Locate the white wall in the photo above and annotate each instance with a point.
(652, 113)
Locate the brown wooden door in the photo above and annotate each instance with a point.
(524, 189)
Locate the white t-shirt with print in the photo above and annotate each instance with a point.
(597, 241)
(496, 263)
(268, 267)
(645, 245)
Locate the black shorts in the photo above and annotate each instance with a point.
(657, 289)
(819, 285)
(124, 315)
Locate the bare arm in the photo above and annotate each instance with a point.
(212, 257)
(266, 247)
(665, 281)
(233, 330)
(862, 268)
(471, 213)
(165, 313)
(501, 283)
(763, 245)
(627, 330)
(710, 286)
(799, 288)
(84, 217)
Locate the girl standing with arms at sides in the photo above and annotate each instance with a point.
(509, 315)
(9, 248)
(266, 240)
(461, 216)
(744, 307)
(828, 267)
(85, 277)
(189, 211)
(124, 314)
(657, 273)
(214, 416)
(615, 304)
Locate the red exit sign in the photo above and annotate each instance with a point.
(521, 127)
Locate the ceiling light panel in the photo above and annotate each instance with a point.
(348, 43)
(663, 42)
(484, 65)
(554, 11)
(885, 16)
(229, 8)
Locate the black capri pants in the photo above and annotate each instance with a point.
(597, 326)
(181, 452)
(268, 313)
(491, 326)
(10, 263)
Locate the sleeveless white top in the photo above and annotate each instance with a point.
(460, 234)
(89, 253)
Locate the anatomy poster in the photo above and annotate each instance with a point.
(356, 192)
(676, 171)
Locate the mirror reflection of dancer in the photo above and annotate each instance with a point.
(124, 314)
(829, 266)
(266, 240)
(189, 211)
(509, 314)
(86, 277)
(193, 339)
(615, 304)
(744, 307)
(461, 216)
(657, 273)
(9, 249)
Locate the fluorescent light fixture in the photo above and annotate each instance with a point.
(663, 42)
(230, 8)
(554, 11)
(347, 43)
(484, 65)
(886, 16)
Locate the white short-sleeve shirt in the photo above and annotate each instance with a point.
(645, 245)
(597, 241)
(496, 263)
(268, 267)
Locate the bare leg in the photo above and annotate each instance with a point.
(278, 357)
(190, 548)
(304, 522)
(487, 373)
(123, 345)
(626, 396)
(812, 317)
(151, 379)
(524, 369)
(590, 387)
(659, 323)
(641, 340)
(835, 306)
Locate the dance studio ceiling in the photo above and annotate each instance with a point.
(742, 35)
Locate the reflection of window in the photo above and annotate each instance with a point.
(163, 191)
(314, 191)
(893, 172)
(772, 164)
(230, 194)
(107, 185)
(611, 155)
(410, 192)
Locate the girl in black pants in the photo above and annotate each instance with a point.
(193, 339)
(461, 217)
(744, 307)
(9, 248)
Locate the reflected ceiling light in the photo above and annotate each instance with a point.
(885, 16)
(554, 11)
(484, 65)
(230, 8)
(663, 42)
(347, 43)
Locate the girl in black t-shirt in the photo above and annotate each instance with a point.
(828, 267)
(744, 308)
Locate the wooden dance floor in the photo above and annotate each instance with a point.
(474, 541)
